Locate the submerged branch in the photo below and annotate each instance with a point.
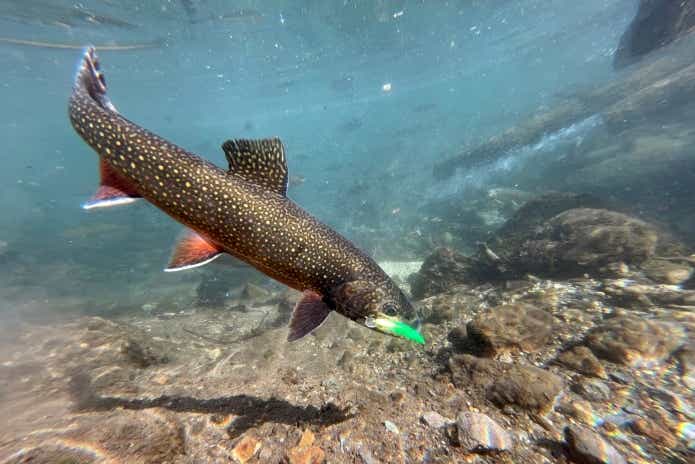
(66, 46)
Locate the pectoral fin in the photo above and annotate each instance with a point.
(309, 313)
(192, 250)
(113, 189)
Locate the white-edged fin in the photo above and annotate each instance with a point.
(191, 251)
(308, 315)
(116, 201)
(113, 189)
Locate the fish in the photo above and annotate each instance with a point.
(243, 211)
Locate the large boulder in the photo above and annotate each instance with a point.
(657, 23)
(443, 269)
(581, 240)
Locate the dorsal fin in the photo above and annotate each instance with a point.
(261, 162)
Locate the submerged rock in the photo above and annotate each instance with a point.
(305, 452)
(667, 272)
(246, 448)
(443, 269)
(477, 432)
(435, 420)
(144, 353)
(593, 390)
(587, 447)
(584, 240)
(657, 23)
(686, 364)
(527, 387)
(536, 212)
(510, 327)
(581, 359)
(634, 341)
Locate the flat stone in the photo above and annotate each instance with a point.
(254, 292)
(667, 272)
(635, 341)
(577, 408)
(305, 452)
(309, 455)
(510, 327)
(443, 269)
(593, 390)
(435, 420)
(246, 448)
(655, 432)
(587, 447)
(479, 433)
(144, 353)
(686, 364)
(582, 360)
(528, 387)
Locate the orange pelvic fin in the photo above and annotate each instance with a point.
(113, 190)
(191, 251)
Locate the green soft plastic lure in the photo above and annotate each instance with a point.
(399, 329)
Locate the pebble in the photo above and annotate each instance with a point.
(510, 327)
(654, 432)
(435, 420)
(305, 452)
(587, 447)
(634, 341)
(391, 427)
(246, 448)
(581, 359)
(477, 432)
(593, 390)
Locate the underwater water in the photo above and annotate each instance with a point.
(522, 171)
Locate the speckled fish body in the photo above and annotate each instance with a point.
(243, 211)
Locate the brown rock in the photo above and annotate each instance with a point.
(479, 433)
(634, 341)
(587, 447)
(443, 269)
(667, 272)
(246, 448)
(654, 432)
(581, 359)
(510, 327)
(528, 387)
(579, 241)
(657, 23)
(505, 384)
(305, 453)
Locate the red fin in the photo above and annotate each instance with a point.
(309, 313)
(191, 251)
(113, 189)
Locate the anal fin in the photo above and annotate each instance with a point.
(113, 189)
(192, 250)
(309, 313)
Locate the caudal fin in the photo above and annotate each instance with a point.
(90, 79)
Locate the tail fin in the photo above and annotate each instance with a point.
(91, 80)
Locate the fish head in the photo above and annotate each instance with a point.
(379, 306)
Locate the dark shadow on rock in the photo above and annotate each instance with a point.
(252, 411)
(557, 448)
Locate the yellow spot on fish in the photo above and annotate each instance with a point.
(160, 167)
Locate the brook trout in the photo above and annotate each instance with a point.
(243, 211)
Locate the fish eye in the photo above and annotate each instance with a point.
(389, 309)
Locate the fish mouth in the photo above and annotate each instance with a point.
(396, 327)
